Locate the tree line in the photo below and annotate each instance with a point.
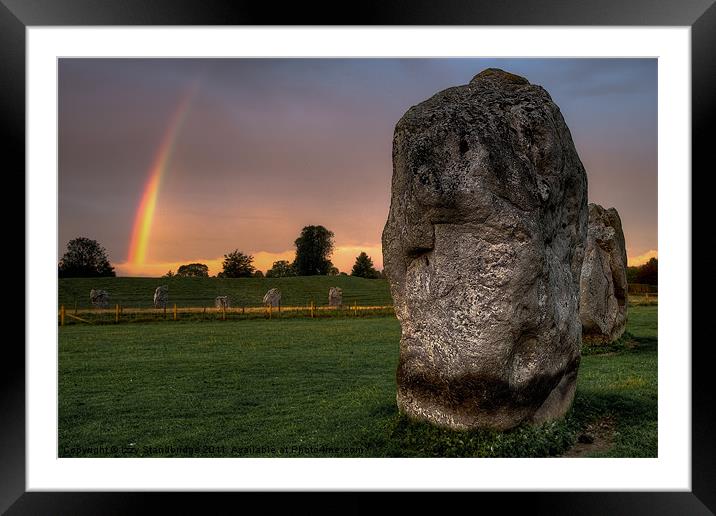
(314, 247)
(647, 273)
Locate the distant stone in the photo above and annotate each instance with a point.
(161, 296)
(222, 302)
(99, 298)
(483, 250)
(272, 297)
(603, 284)
(335, 296)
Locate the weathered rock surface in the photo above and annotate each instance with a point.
(272, 297)
(222, 302)
(161, 296)
(603, 284)
(99, 298)
(335, 296)
(483, 249)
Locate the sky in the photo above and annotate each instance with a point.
(171, 161)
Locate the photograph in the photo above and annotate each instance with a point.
(357, 257)
(413, 249)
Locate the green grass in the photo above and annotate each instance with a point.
(624, 385)
(196, 292)
(303, 387)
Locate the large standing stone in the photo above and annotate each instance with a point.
(603, 285)
(483, 249)
(222, 302)
(272, 297)
(161, 296)
(335, 296)
(99, 298)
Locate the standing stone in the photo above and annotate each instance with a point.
(222, 302)
(272, 297)
(483, 249)
(161, 296)
(99, 298)
(335, 296)
(603, 284)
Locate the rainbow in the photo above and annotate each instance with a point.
(145, 213)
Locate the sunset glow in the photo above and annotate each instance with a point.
(642, 258)
(343, 257)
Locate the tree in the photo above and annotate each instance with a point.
(85, 258)
(193, 270)
(333, 271)
(648, 273)
(258, 274)
(169, 274)
(237, 265)
(313, 249)
(363, 268)
(281, 269)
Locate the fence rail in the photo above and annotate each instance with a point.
(642, 288)
(119, 313)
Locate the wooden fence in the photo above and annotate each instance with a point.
(642, 288)
(118, 313)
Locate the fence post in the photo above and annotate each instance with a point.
(175, 311)
(116, 313)
(355, 308)
(223, 312)
(242, 310)
(62, 315)
(313, 306)
(270, 310)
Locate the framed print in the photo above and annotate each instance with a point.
(415, 250)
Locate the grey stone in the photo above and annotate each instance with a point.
(161, 296)
(603, 284)
(99, 298)
(335, 296)
(272, 297)
(222, 302)
(483, 249)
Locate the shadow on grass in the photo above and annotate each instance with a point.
(636, 423)
(627, 343)
(414, 439)
(633, 410)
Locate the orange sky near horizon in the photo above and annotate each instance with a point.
(343, 257)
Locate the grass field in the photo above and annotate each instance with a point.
(303, 387)
(198, 292)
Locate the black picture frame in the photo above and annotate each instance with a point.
(16, 15)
